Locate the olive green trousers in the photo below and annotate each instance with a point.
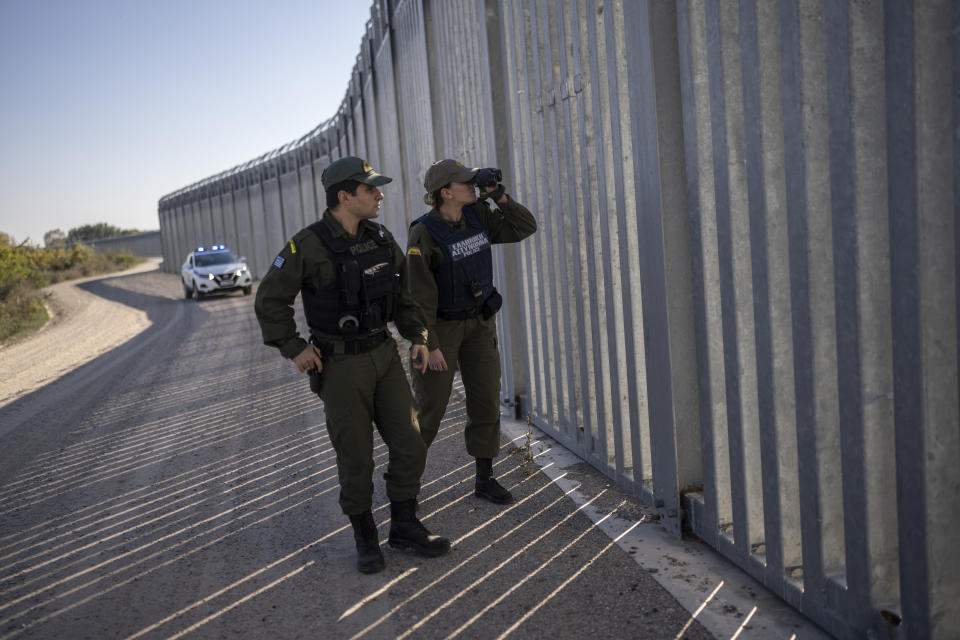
(360, 391)
(471, 346)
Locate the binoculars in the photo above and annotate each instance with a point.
(489, 177)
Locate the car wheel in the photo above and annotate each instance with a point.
(197, 294)
(187, 293)
(247, 290)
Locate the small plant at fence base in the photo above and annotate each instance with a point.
(526, 450)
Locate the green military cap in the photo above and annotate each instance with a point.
(444, 172)
(351, 168)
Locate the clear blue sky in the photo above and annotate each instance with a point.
(108, 105)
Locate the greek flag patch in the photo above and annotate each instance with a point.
(278, 263)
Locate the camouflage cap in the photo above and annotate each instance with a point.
(446, 171)
(351, 168)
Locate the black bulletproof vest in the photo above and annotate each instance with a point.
(363, 297)
(465, 277)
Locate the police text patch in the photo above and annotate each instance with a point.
(468, 247)
(278, 263)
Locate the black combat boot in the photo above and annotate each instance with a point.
(406, 532)
(487, 487)
(369, 557)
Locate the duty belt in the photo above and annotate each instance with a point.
(458, 314)
(351, 347)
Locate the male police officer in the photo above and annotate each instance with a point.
(451, 278)
(352, 277)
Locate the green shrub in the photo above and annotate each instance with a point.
(24, 270)
(22, 311)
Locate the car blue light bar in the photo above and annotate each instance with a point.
(199, 249)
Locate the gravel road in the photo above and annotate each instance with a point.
(163, 474)
(82, 326)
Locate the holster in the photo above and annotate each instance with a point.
(316, 382)
(491, 305)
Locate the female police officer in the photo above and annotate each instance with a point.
(352, 277)
(451, 278)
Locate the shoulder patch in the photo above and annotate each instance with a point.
(278, 263)
(293, 247)
(414, 251)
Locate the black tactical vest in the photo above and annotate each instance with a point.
(465, 277)
(363, 297)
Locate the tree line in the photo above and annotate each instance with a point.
(55, 238)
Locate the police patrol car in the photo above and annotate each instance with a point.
(212, 270)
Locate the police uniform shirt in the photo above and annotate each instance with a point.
(304, 259)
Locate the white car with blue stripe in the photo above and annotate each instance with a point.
(214, 269)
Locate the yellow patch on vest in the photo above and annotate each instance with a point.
(414, 251)
(293, 247)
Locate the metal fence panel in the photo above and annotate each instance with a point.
(307, 193)
(276, 233)
(396, 211)
(291, 210)
(265, 244)
(245, 241)
(412, 85)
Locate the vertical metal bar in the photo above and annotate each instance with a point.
(626, 435)
(725, 245)
(874, 303)
(591, 368)
(559, 225)
(572, 260)
(907, 341)
(542, 287)
(556, 246)
(675, 253)
(694, 76)
(516, 51)
(769, 547)
(546, 297)
(777, 264)
(823, 309)
(607, 328)
(924, 266)
(656, 385)
(795, 201)
(842, 203)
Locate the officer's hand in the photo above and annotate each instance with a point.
(437, 362)
(418, 356)
(497, 193)
(309, 359)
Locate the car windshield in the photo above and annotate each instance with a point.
(210, 259)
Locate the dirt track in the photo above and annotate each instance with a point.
(82, 326)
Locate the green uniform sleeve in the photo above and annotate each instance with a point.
(297, 261)
(409, 318)
(422, 255)
(512, 223)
